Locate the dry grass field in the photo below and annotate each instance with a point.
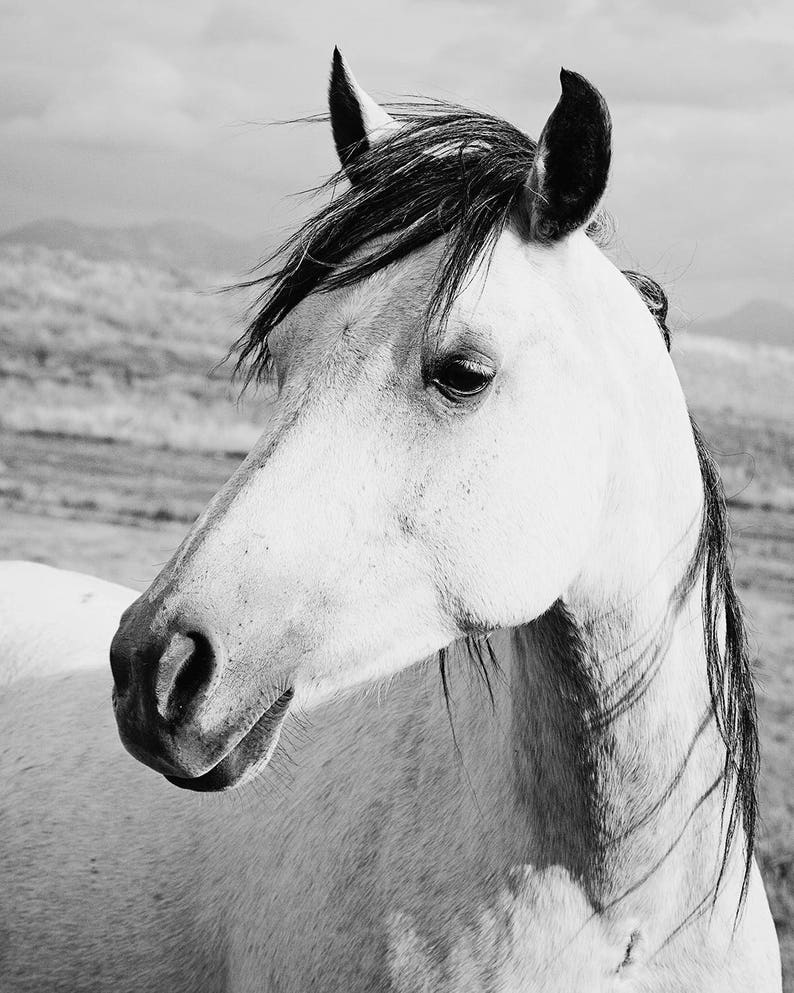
(113, 436)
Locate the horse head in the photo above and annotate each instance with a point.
(461, 375)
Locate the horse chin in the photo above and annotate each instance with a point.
(248, 757)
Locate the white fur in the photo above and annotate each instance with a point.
(36, 601)
(382, 856)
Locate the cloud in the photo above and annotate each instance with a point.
(706, 12)
(241, 22)
(134, 97)
(138, 108)
(645, 56)
(705, 72)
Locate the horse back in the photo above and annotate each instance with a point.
(99, 887)
(52, 620)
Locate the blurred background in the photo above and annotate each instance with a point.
(139, 176)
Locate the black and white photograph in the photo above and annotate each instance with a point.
(396, 497)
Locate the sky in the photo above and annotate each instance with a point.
(139, 110)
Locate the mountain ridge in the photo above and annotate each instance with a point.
(764, 322)
(181, 244)
(193, 245)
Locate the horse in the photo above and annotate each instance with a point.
(447, 688)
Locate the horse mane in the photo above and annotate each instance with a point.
(459, 173)
(728, 663)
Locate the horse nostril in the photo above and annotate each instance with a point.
(185, 673)
(120, 665)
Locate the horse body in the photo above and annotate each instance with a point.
(520, 476)
(387, 855)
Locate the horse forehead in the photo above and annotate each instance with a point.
(519, 276)
(509, 281)
(390, 301)
(522, 293)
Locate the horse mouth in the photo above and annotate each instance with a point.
(248, 757)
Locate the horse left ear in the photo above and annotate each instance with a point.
(569, 174)
(356, 120)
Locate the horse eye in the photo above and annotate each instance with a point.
(459, 378)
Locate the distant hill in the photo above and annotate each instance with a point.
(182, 244)
(121, 350)
(194, 246)
(757, 322)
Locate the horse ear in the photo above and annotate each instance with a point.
(356, 120)
(569, 174)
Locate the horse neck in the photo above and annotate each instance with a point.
(616, 758)
(611, 699)
(595, 776)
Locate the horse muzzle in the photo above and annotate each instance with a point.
(171, 702)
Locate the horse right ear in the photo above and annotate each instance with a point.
(569, 174)
(356, 120)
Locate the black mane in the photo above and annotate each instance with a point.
(459, 173)
(446, 171)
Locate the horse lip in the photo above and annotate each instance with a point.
(247, 758)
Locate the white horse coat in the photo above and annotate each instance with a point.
(309, 878)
